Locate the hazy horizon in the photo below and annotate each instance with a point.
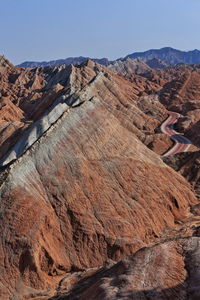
(48, 30)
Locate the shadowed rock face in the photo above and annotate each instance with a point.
(82, 187)
(166, 271)
(187, 164)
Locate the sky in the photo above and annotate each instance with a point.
(38, 30)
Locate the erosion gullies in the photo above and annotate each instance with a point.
(80, 189)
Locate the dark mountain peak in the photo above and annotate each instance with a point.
(168, 55)
(168, 49)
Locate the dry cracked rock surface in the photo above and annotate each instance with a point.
(88, 208)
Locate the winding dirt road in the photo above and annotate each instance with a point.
(182, 144)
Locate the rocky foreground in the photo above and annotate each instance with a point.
(88, 208)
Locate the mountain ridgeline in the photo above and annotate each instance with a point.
(166, 56)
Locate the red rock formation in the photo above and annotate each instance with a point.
(88, 189)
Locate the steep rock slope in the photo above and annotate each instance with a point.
(87, 190)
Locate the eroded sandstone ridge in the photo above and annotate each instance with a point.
(81, 186)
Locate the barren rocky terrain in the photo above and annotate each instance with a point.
(89, 208)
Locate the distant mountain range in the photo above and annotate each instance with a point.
(169, 55)
(66, 61)
(165, 56)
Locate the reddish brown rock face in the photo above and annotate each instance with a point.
(79, 206)
(87, 189)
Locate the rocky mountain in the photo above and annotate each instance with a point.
(89, 209)
(129, 66)
(168, 55)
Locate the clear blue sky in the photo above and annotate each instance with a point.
(51, 29)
